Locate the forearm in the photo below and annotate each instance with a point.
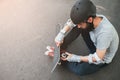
(85, 59)
(59, 38)
(91, 58)
(66, 28)
(68, 25)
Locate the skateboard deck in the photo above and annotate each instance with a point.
(56, 59)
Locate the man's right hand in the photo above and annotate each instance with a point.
(59, 38)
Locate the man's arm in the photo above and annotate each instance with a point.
(67, 27)
(100, 54)
(59, 38)
(103, 43)
(96, 58)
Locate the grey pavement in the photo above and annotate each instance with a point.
(28, 26)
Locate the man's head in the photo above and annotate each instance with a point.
(82, 14)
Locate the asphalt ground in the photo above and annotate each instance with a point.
(28, 26)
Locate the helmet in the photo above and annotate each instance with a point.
(82, 10)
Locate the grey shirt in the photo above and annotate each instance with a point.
(104, 37)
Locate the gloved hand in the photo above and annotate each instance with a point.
(59, 38)
(72, 57)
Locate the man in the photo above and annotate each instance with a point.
(98, 33)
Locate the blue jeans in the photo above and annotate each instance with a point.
(80, 68)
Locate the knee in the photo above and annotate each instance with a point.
(82, 69)
(77, 70)
(80, 72)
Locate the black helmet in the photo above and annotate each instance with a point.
(82, 10)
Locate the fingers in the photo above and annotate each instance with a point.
(69, 56)
(58, 44)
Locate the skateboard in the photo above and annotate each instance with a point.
(57, 54)
(56, 58)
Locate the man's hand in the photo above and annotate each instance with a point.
(71, 58)
(68, 56)
(58, 43)
(67, 27)
(59, 38)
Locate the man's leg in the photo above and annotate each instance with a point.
(72, 35)
(86, 37)
(83, 68)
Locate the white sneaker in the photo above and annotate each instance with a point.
(50, 51)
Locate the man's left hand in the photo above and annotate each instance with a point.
(71, 58)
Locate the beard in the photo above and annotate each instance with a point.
(90, 26)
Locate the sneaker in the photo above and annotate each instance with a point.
(49, 48)
(50, 51)
(50, 54)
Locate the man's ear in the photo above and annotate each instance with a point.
(90, 20)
